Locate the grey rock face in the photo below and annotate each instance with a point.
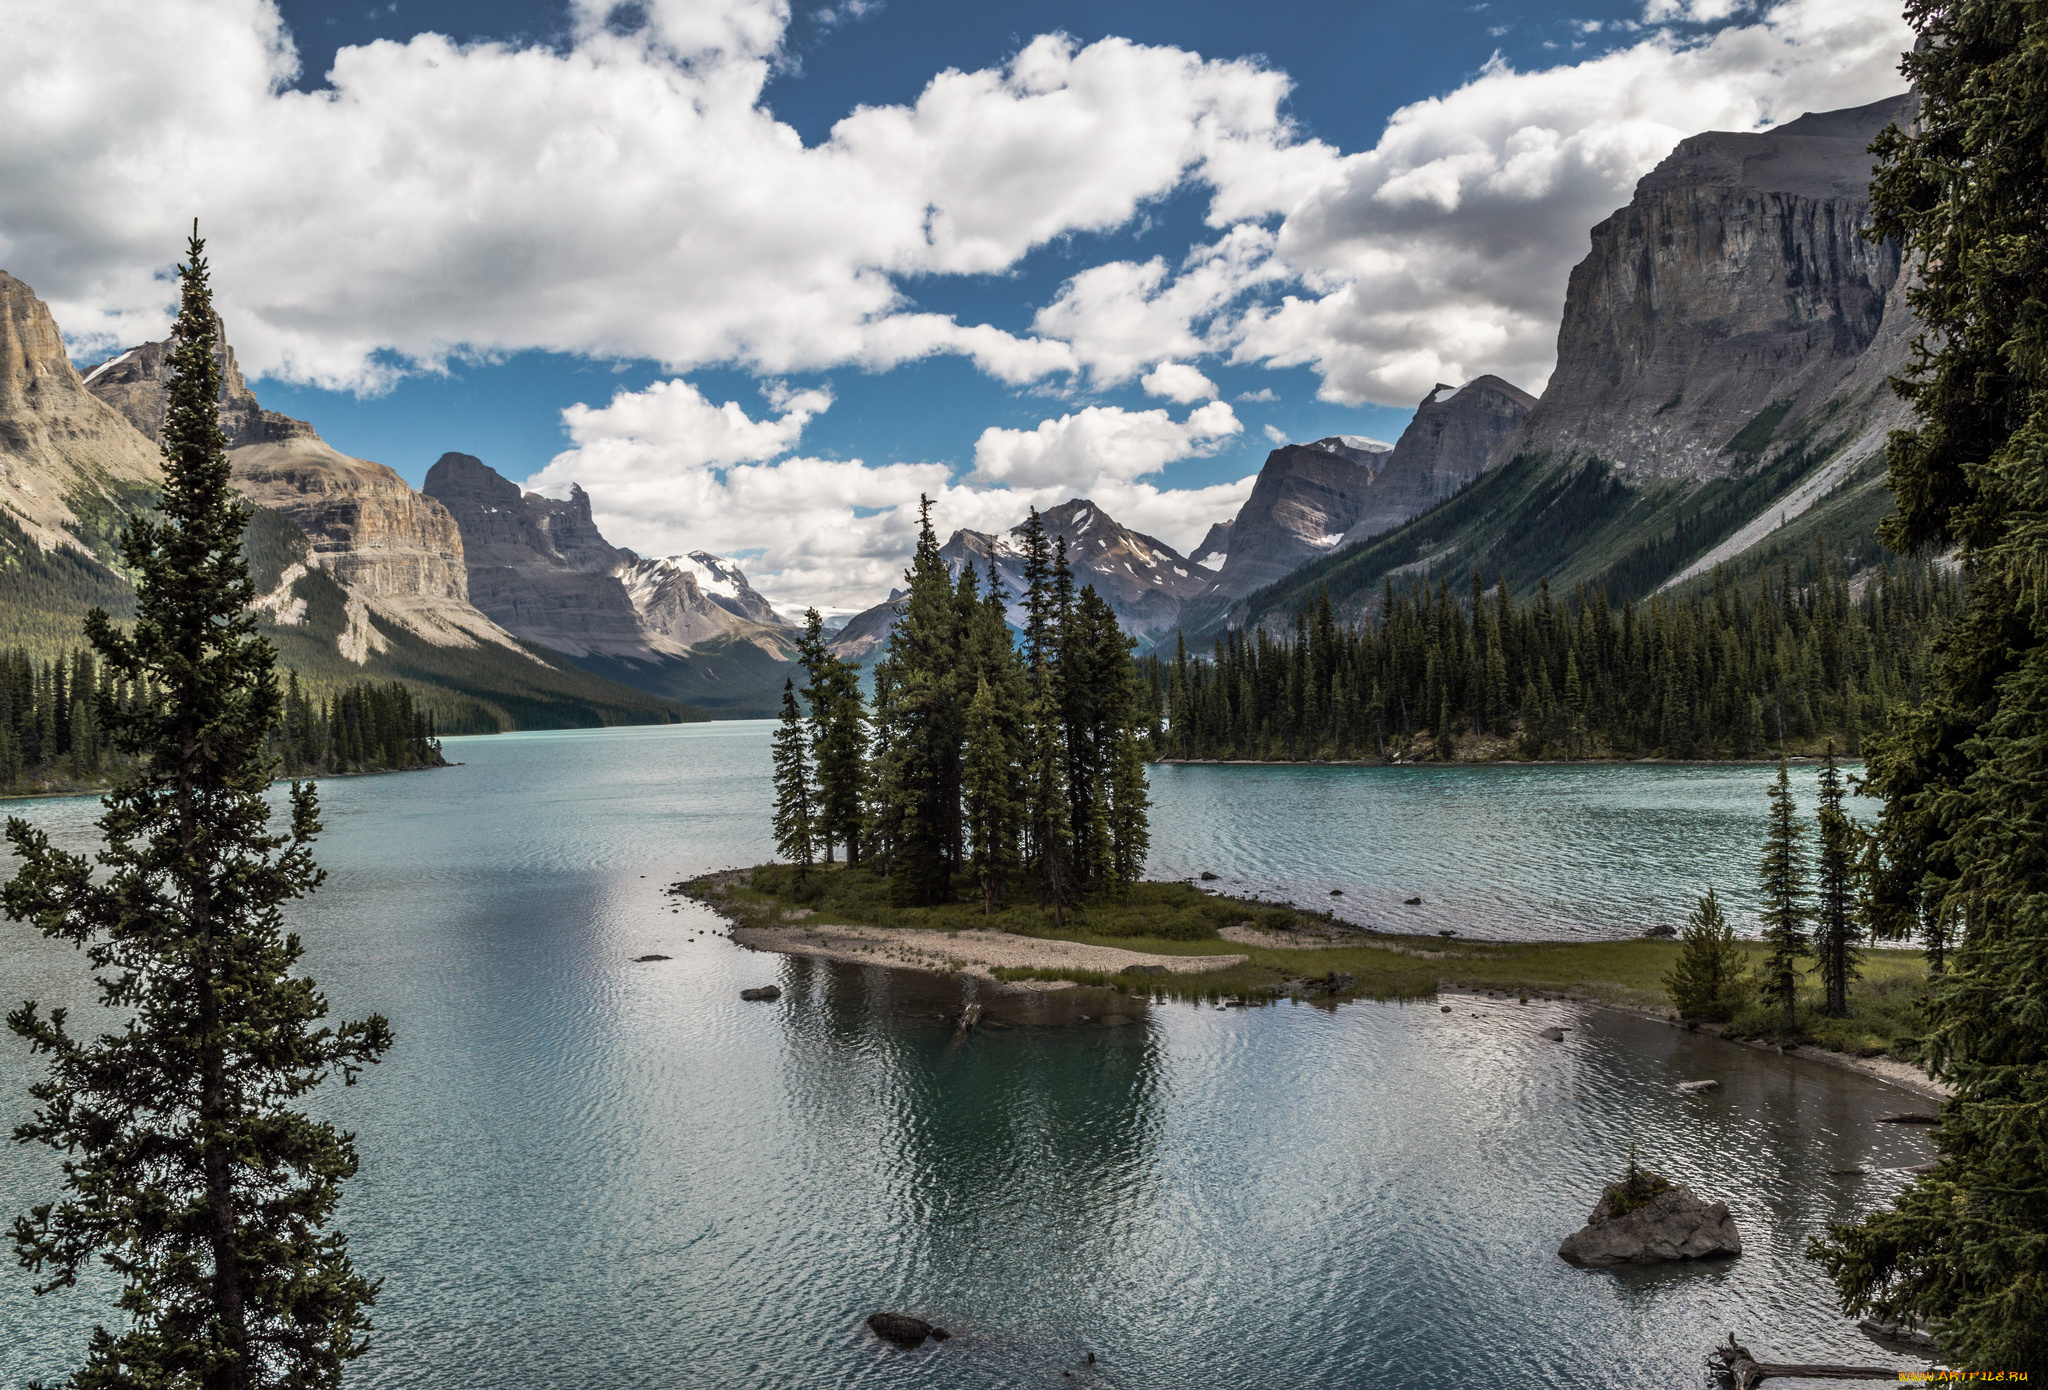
(1673, 1225)
(1452, 440)
(1215, 547)
(1725, 303)
(137, 384)
(537, 566)
(541, 569)
(1304, 502)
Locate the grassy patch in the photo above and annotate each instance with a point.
(1176, 919)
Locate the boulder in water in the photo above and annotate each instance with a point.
(1650, 1221)
(902, 1329)
(642, 960)
(1208, 877)
(1663, 931)
(1554, 1034)
(764, 992)
(1699, 1085)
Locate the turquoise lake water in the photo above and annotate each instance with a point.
(579, 1171)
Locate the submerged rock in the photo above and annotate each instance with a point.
(902, 1329)
(1674, 1224)
(764, 992)
(1663, 931)
(1554, 1034)
(1699, 1085)
(1208, 877)
(1412, 902)
(641, 960)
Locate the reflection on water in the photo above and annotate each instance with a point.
(583, 1171)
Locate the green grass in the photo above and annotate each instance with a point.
(1176, 919)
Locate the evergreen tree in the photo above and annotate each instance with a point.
(1129, 812)
(187, 1171)
(929, 717)
(838, 733)
(1964, 831)
(795, 794)
(992, 807)
(1837, 914)
(1706, 981)
(1046, 779)
(1782, 879)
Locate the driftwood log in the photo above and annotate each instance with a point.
(969, 1016)
(1735, 1362)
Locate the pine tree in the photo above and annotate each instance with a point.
(838, 733)
(990, 784)
(1782, 879)
(1706, 981)
(1964, 831)
(929, 716)
(187, 1171)
(1046, 779)
(795, 794)
(1130, 810)
(1837, 913)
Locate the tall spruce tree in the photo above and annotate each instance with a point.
(838, 733)
(990, 778)
(1783, 888)
(929, 716)
(1837, 917)
(795, 793)
(188, 1172)
(1964, 779)
(1130, 814)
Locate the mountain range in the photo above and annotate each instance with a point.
(1720, 396)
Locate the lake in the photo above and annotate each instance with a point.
(579, 1171)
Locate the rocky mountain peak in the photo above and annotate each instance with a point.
(1215, 547)
(1453, 438)
(58, 441)
(1304, 501)
(137, 383)
(1666, 371)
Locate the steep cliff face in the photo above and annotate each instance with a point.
(1304, 501)
(1456, 430)
(63, 451)
(541, 568)
(137, 383)
(1720, 393)
(1724, 304)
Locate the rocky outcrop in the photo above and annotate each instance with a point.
(1671, 1225)
(1142, 579)
(1305, 500)
(61, 447)
(1455, 433)
(692, 598)
(137, 383)
(866, 633)
(1731, 298)
(1215, 547)
(369, 529)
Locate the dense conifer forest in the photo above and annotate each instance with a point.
(985, 766)
(53, 734)
(1801, 660)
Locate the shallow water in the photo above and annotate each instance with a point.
(579, 1171)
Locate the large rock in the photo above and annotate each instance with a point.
(1673, 1225)
(903, 1330)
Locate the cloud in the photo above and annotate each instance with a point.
(668, 472)
(1443, 251)
(1263, 394)
(1099, 442)
(626, 194)
(1177, 381)
(1276, 434)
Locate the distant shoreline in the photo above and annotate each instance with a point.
(323, 777)
(1840, 761)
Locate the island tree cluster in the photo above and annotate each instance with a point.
(1719, 672)
(985, 762)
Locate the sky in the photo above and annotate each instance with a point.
(756, 275)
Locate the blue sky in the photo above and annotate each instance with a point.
(755, 276)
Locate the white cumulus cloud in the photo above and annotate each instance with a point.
(1177, 381)
(1100, 442)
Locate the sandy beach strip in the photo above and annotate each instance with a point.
(978, 953)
